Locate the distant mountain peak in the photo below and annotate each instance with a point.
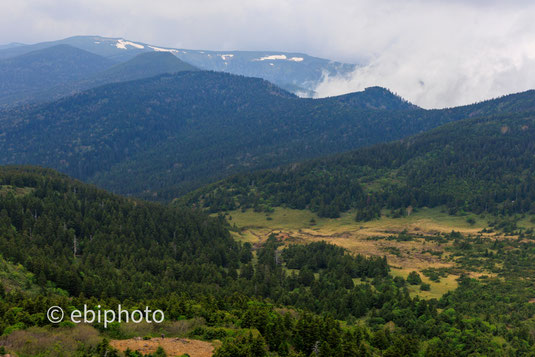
(148, 64)
(60, 49)
(11, 45)
(375, 98)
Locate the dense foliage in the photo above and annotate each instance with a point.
(486, 317)
(479, 164)
(279, 299)
(88, 241)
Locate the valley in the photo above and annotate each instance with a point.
(407, 242)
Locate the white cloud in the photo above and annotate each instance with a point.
(447, 54)
(433, 52)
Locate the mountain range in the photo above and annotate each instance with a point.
(296, 72)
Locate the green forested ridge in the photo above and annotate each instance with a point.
(161, 137)
(175, 132)
(478, 164)
(282, 300)
(374, 98)
(88, 241)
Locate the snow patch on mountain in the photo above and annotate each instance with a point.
(272, 57)
(159, 49)
(122, 44)
(279, 57)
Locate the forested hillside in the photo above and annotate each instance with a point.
(161, 137)
(478, 164)
(74, 235)
(144, 65)
(86, 246)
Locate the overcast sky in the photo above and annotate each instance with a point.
(435, 53)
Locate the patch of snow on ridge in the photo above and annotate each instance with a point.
(225, 57)
(279, 57)
(122, 44)
(272, 57)
(159, 49)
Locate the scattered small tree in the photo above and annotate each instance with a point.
(414, 278)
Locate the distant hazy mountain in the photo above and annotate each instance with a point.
(11, 45)
(28, 78)
(144, 65)
(374, 98)
(24, 76)
(295, 72)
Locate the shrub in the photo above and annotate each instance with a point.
(414, 278)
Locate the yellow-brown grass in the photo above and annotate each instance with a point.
(40, 341)
(303, 226)
(172, 346)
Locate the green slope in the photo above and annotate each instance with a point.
(478, 164)
(88, 241)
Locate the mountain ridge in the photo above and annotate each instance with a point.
(161, 137)
(207, 113)
(296, 72)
